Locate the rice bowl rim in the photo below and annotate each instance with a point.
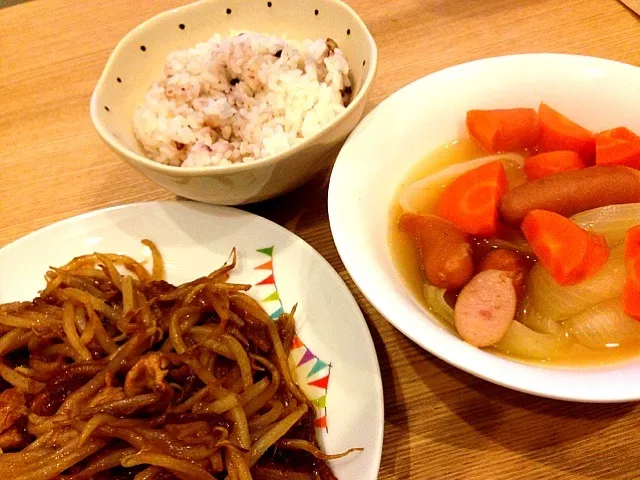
(135, 157)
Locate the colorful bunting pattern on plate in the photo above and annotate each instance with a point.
(312, 373)
(270, 281)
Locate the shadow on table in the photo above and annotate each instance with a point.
(539, 428)
(9, 3)
(396, 459)
(300, 209)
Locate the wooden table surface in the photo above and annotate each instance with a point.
(440, 422)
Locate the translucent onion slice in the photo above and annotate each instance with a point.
(612, 221)
(521, 341)
(437, 303)
(604, 326)
(530, 317)
(421, 195)
(560, 302)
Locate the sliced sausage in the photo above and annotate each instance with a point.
(568, 193)
(485, 308)
(446, 253)
(510, 262)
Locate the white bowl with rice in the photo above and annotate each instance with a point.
(233, 102)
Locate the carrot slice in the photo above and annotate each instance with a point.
(597, 256)
(621, 133)
(568, 252)
(504, 130)
(618, 146)
(557, 132)
(632, 242)
(631, 291)
(545, 164)
(471, 201)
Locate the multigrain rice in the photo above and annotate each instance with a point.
(239, 98)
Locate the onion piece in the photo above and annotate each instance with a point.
(530, 317)
(561, 302)
(612, 221)
(421, 195)
(437, 303)
(521, 341)
(604, 326)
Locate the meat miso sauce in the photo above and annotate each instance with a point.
(525, 240)
(113, 373)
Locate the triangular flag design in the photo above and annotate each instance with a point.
(266, 251)
(268, 281)
(321, 383)
(316, 368)
(307, 357)
(276, 315)
(265, 266)
(321, 422)
(272, 298)
(297, 343)
(320, 402)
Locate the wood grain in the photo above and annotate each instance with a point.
(440, 422)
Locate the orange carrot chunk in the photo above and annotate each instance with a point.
(632, 243)
(621, 133)
(471, 201)
(597, 256)
(568, 252)
(545, 164)
(504, 130)
(557, 132)
(631, 291)
(619, 146)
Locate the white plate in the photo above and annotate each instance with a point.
(335, 347)
(414, 121)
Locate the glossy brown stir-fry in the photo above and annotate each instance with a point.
(122, 375)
